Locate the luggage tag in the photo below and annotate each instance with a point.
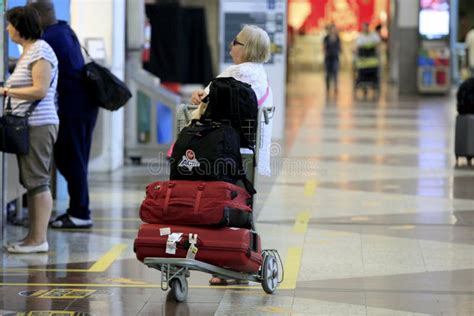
(192, 250)
(165, 231)
(171, 243)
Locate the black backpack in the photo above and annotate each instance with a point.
(465, 97)
(209, 153)
(234, 103)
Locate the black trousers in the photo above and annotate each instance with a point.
(71, 156)
(331, 66)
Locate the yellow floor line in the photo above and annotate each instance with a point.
(41, 270)
(301, 223)
(310, 188)
(148, 286)
(99, 266)
(157, 285)
(106, 260)
(292, 268)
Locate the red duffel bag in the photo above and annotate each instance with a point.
(236, 249)
(183, 202)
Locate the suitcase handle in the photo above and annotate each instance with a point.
(170, 187)
(200, 187)
(186, 242)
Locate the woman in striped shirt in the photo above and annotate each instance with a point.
(34, 78)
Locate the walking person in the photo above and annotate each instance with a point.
(34, 78)
(332, 49)
(77, 112)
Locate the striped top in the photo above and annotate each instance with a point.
(45, 112)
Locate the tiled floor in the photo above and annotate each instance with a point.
(366, 208)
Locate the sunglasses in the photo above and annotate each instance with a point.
(236, 42)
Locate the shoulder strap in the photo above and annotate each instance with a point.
(35, 103)
(83, 48)
(247, 184)
(32, 107)
(265, 96)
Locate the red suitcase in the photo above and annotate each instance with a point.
(182, 202)
(237, 249)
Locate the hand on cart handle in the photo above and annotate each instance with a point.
(268, 114)
(198, 96)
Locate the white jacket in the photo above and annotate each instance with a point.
(254, 74)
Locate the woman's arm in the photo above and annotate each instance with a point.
(41, 75)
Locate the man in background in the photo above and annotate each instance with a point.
(77, 111)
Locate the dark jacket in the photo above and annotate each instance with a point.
(332, 48)
(74, 101)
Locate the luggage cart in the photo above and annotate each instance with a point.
(366, 70)
(175, 271)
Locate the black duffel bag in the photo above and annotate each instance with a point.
(110, 91)
(208, 153)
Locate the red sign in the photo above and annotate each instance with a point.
(347, 15)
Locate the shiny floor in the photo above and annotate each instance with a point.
(365, 206)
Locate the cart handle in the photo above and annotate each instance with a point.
(268, 113)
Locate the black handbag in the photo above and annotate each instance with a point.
(14, 130)
(111, 92)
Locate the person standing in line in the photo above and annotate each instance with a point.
(469, 44)
(34, 78)
(77, 112)
(332, 49)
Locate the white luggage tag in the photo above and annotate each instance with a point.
(192, 250)
(171, 243)
(165, 231)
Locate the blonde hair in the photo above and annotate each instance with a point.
(257, 46)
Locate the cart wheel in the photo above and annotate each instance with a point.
(179, 289)
(269, 274)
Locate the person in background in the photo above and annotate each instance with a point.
(77, 112)
(367, 38)
(332, 49)
(469, 45)
(34, 78)
(249, 50)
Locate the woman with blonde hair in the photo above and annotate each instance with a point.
(249, 50)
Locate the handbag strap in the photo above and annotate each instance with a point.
(33, 105)
(31, 108)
